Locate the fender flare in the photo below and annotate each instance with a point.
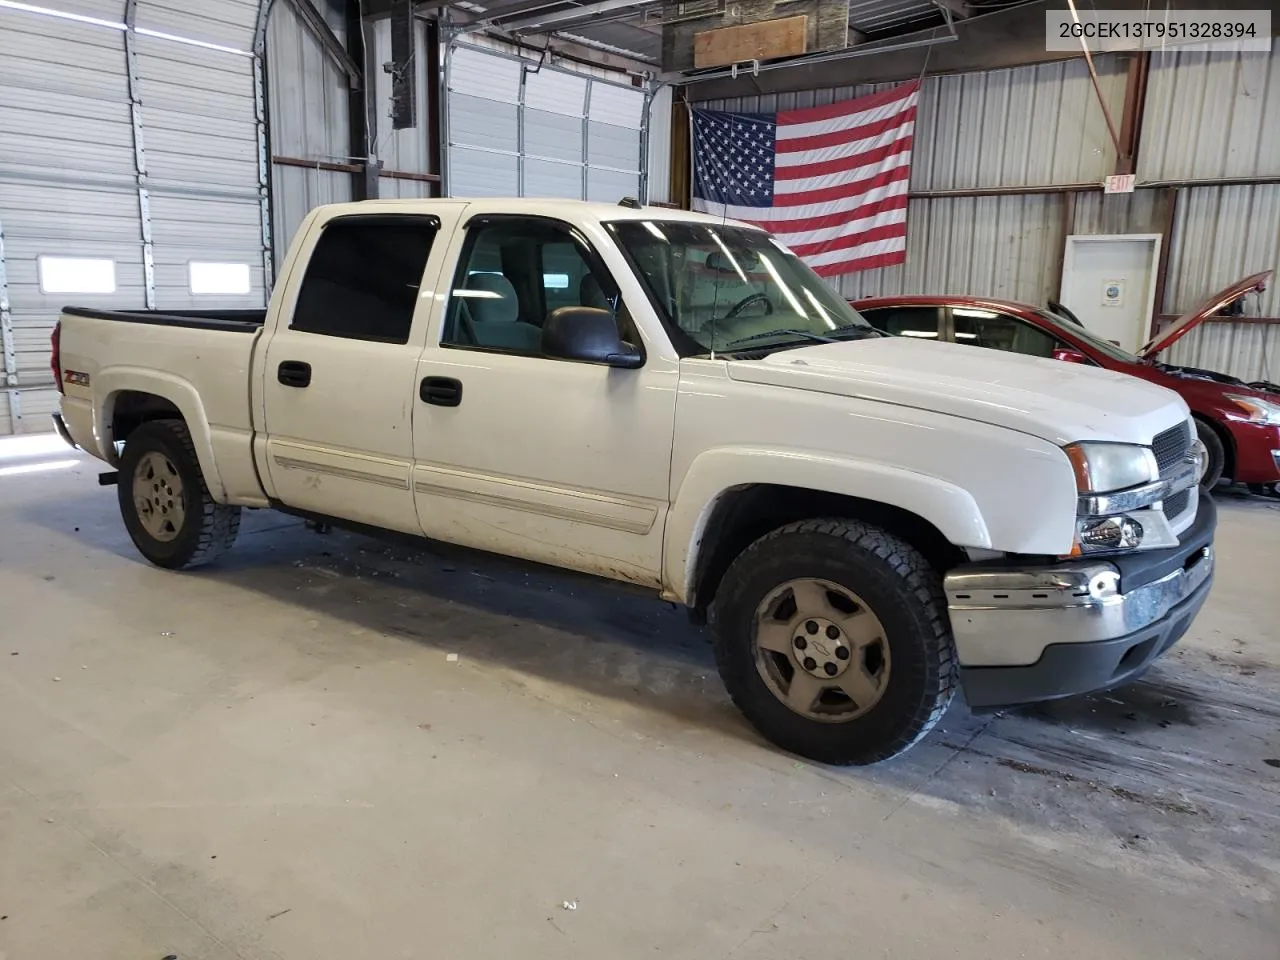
(715, 473)
(112, 381)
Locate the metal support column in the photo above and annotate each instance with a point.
(520, 122)
(650, 92)
(139, 152)
(362, 117)
(263, 145)
(10, 352)
(586, 138)
(442, 101)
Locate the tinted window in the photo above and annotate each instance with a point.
(362, 281)
(514, 274)
(905, 321)
(999, 331)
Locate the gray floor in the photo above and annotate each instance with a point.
(278, 758)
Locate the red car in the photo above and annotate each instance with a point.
(1238, 423)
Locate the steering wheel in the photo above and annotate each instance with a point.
(747, 301)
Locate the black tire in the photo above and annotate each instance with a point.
(1215, 455)
(900, 588)
(208, 529)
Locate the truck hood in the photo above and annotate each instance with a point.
(1058, 402)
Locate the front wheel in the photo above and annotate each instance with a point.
(832, 638)
(1215, 457)
(167, 509)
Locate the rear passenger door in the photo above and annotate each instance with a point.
(338, 385)
(924, 321)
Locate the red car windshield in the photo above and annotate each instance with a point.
(1093, 340)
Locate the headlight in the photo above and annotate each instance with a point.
(1257, 410)
(1103, 467)
(1117, 483)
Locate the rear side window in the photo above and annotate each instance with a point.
(363, 278)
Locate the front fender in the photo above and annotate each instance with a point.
(110, 382)
(716, 472)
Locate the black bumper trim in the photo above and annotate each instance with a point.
(1071, 669)
(60, 425)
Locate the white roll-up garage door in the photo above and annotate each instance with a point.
(130, 171)
(516, 129)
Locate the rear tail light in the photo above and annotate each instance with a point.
(55, 355)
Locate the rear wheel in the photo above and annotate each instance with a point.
(165, 502)
(1215, 455)
(832, 638)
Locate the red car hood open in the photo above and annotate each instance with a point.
(1185, 323)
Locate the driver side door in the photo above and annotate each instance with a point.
(555, 461)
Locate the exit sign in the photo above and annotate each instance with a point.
(1120, 183)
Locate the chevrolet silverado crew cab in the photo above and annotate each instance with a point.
(676, 402)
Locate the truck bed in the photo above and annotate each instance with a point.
(230, 321)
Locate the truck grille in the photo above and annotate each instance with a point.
(1171, 446)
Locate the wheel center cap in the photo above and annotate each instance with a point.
(819, 647)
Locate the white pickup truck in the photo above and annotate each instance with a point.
(677, 402)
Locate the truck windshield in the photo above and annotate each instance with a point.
(1080, 332)
(727, 289)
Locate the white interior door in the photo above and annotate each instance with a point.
(1109, 283)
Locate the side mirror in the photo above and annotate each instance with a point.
(588, 335)
(1070, 356)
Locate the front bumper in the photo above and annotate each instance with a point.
(1038, 633)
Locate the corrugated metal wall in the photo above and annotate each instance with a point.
(308, 119)
(1211, 115)
(132, 146)
(1206, 116)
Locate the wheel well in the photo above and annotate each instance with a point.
(1228, 445)
(133, 408)
(743, 516)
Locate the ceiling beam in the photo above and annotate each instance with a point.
(578, 51)
(600, 11)
(959, 8)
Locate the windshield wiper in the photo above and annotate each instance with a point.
(799, 334)
(854, 331)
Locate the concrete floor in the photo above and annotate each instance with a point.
(277, 758)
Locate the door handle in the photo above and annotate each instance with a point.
(441, 391)
(294, 373)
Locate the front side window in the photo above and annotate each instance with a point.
(363, 277)
(1079, 332)
(999, 331)
(920, 322)
(727, 289)
(514, 273)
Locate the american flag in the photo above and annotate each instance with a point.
(830, 182)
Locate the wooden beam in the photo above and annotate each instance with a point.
(1135, 96)
(1166, 244)
(326, 165)
(1068, 227)
(409, 175)
(764, 40)
(681, 162)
